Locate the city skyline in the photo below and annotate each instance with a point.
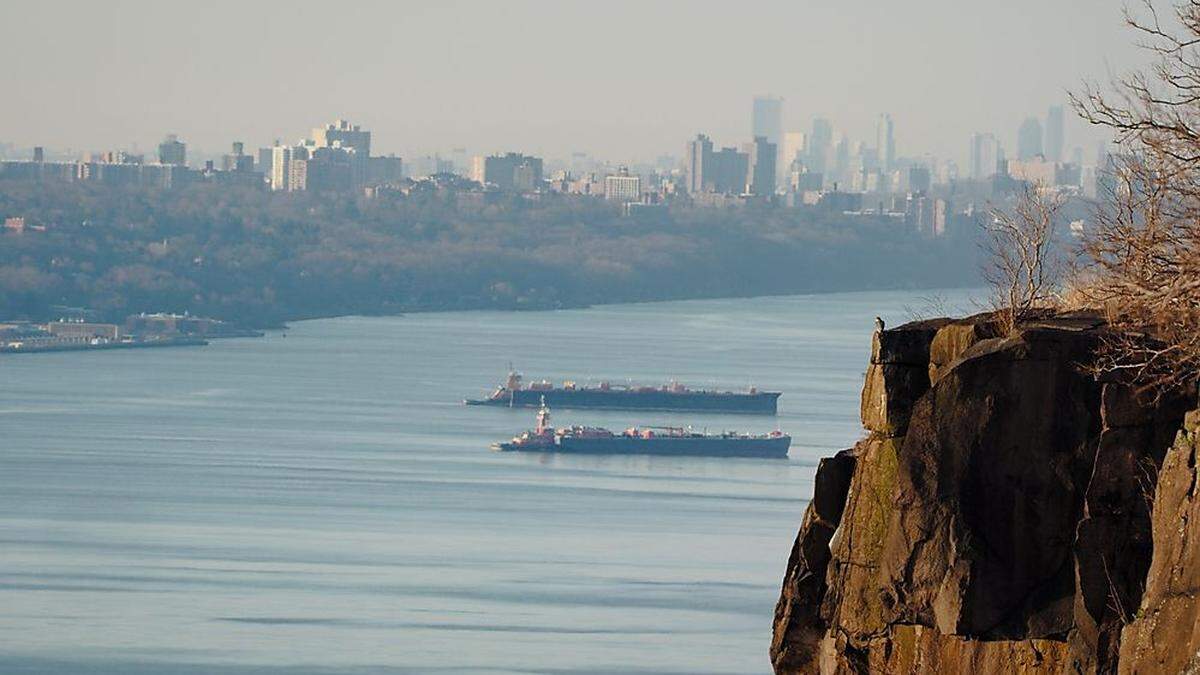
(468, 75)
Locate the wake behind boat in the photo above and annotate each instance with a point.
(644, 441)
(514, 393)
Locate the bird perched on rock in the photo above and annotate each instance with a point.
(878, 325)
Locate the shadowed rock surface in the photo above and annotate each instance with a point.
(998, 516)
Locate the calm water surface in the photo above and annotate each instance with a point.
(324, 502)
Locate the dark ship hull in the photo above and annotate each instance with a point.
(758, 403)
(696, 446)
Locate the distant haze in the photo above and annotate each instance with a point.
(621, 80)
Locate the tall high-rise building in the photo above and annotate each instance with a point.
(793, 148)
(265, 161)
(762, 161)
(885, 142)
(820, 144)
(730, 171)
(1055, 140)
(984, 156)
(767, 119)
(1029, 139)
(699, 164)
(172, 151)
(281, 167)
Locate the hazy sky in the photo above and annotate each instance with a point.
(622, 80)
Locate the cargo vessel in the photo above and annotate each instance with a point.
(514, 393)
(645, 441)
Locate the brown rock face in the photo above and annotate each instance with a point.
(996, 521)
(1164, 637)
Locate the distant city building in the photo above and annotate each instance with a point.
(623, 187)
(83, 329)
(820, 145)
(699, 164)
(237, 160)
(920, 179)
(350, 137)
(513, 172)
(762, 161)
(264, 162)
(1055, 140)
(1045, 172)
(985, 154)
(793, 150)
(1029, 139)
(730, 171)
(281, 159)
(172, 151)
(382, 170)
(885, 142)
(767, 119)
(478, 169)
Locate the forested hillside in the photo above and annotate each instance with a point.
(262, 258)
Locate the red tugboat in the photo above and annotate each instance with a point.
(645, 441)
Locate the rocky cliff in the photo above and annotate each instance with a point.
(1006, 513)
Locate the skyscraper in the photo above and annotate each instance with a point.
(1055, 139)
(767, 119)
(820, 143)
(984, 156)
(1029, 139)
(793, 146)
(699, 164)
(762, 160)
(885, 142)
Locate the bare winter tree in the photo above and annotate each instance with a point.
(1142, 259)
(1022, 264)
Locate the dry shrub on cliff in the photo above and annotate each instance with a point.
(1142, 257)
(1023, 265)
